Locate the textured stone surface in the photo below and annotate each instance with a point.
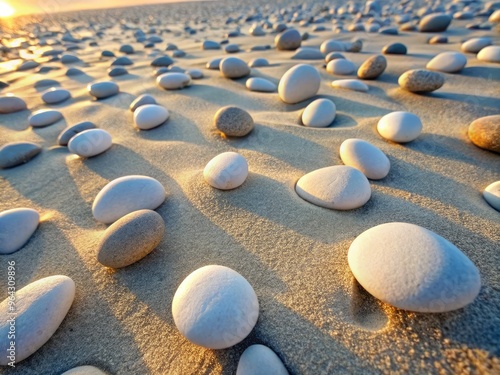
(233, 121)
(17, 225)
(373, 67)
(421, 80)
(485, 133)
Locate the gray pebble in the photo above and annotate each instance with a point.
(16, 153)
(68, 133)
(233, 121)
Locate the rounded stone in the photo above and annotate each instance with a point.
(491, 195)
(162, 61)
(117, 71)
(259, 359)
(55, 95)
(127, 49)
(260, 84)
(438, 39)
(232, 67)
(332, 56)
(84, 370)
(421, 80)
(435, 22)
(210, 45)
(448, 62)
(400, 126)
(102, 90)
(319, 114)
(89, 143)
(299, 83)
(16, 153)
(485, 133)
(130, 238)
(27, 65)
(394, 49)
(214, 63)
(125, 195)
(44, 117)
(288, 40)
(68, 133)
(475, 45)
(122, 61)
(195, 73)
(413, 268)
(233, 121)
(373, 67)
(332, 45)
(215, 307)
(69, 59)
(308, 53)
(142, 100)
(258, 62)
(489, 54)
(341, 67)
(226, 171)
(339, 187)
(150, 116)
(16, 228)
(365, 157)
(350, 84)
(71, 72)
(11, 104)
(173, 81)
(40, 309)
(232, 48)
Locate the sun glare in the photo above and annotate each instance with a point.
(6, 10)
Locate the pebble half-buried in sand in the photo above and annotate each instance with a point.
(17, 225)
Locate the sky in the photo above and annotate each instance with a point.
(51, 6)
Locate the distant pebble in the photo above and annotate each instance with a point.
(124, 60)
(341, 67)
(485, 133)
(226, 171)
(178, 53)
(84, 370)
(421, 80)
(233, 121)
(448, 62)
(16, 153)
(299, 83)
(332, 45)
(17, 225)
(288, 40)
(394, 49)
(350, 84)
(127, 49)
(162, 61)
(489, 54)
(308, 53)
(117, 71)
(102, 90)
(210, 45)
(435, 22)
(365, 157)
(71, 72)
(257, 63)
(55, 95)
(89, 143)
(142, 100)
(260, 84)
(400, 127)
(373, 67)
(232, 67)
(11, 104)
(232, 48)
(107, 54)
(69, 59)
(195, 73)
(27, 65)
(44, 117)
(214, 64)
(259, 359)
(173, 81)
(149, 116)
(438, 39)
(68, 133)
(319, 113)
(491, 195)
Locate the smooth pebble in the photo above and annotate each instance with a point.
(260, 360)
(44, 117)
(260, 84)
(16, 153)
(142, 100)
(233, 121)
(233, 67)
(226, 171)
(350, 84)
(299, 83)
(150, 116)
(448, 62)
(491, 195)
(173, 81)
(17, 225)
(55, 95)
(68, 133)
(365, 157)
(10, 104)
(341, 67)
(484, 132)
(102, 90)
(89, 143)
(400, 127)
(319, 113)
(421, 80)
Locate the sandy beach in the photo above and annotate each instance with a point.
(313, 313)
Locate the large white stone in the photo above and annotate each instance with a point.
(40, 307)
(226, 171)
(400, 126)
(413, 268)
(150, 116)
(319, 114)
(448, 62)
(90, 142)
(332, 45)
(127, 194)
(260, 360)
(16, 228)
(299, 83)
(215, 307)
(475, 45)
(339, 187)
(489, 54)
(44, 117)
(491, 195)
(366, 157)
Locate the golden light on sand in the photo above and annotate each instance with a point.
(6, 10)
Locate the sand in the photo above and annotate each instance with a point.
(313, 313)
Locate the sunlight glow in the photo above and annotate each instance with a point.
(6, 10)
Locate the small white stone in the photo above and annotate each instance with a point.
(400, 127)
(489, 54)
(16, 228)
(90, 142)
(340, 67)
(150, 116)
(55, 95)
(475, 45)
(412, 268)
(339, 187)
(319, 114)
(331, 45)
(492, 195)
(173, 81)
(366, 157)
(299, 83)
(215, 307)
(448, 62)
(260, 360)
(260, 84)
(125, 195)
(44, 117)
(350, 84)
(226, 171)
(40, 308)
(102, 90)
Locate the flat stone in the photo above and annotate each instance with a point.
(71, 72)
(259, 359)
(173, 81)
(233, 121)
(102, 90)
(435, 22)
(333, 55)
(55, 95)
(260, 84)
(258, 63)
(373, 67)
(350, 84)
(299, 83)
(475, 45)
(365, 157)
(210, 45)
(142, 100)
(16, 153)
(150, 116)
(11, 104)
(44, 117)
(319, 113)
(68, 133)
(89, 143)
(162, 61)
(122, 61)
(125, 195)
(485, 133)
(178, 53)
(448, 62)
(332, 45)
(127, 49)
(339, 187)
(288, 40)
(130, 238)
(215, 307)
(232, 67)
(341, 67)
(107, 54)
(70, 59)
(214, 64)
(412, 268)
(226, 171)
(40, 308)
(491, 195)
(16, 228)
(421, 80)
(308, 53)
(394, 49)
(27, 65)
(400, 127)
(489, 54)
(117, 71)
(438, 39)
(232, 48)
(195, 73)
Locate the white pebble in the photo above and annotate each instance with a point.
(150, 116)
(319, 114)
(44, 117)
(492, 195)
(350, 84)
(260, 84)
(90, 142)
(16, 228)
(366, 157)
(299, 83)
(400, 127)
(448, 62)
(226, 171)
(173, 81)
(260, 360)
(340, 67)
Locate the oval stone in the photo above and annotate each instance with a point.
(394, 49)
(69, 59)
(319, 114)
(308, 53)
(288, 40)
(365, 157)
(257, 63)
(215, 307)
(226, 171)
(340, 67)
(260, 84)
(125, 195)
(350, 84)
(233, 121)
(102, 90)
(150, 116)
(299, 83)
(448, 62)
(413, 268)
(259, 359)
(331, 45)
(162, 61)
(491, 195)
(214, 63)
(339, 187)
(130, 238)
(16, 228)
(435, 22)
(117, 71)
(11, 104)
(233, 67)
(90, 142)
(173, 81)
(489, 54)
(195, 73)
(40, 308)
(16, 153)
(373, 67)
(44, 117)
(421, 80)
(400, 126)
(485, 133)
(122, 61)
(142, 100)
(55, 95)
(71, 131)
(475, 45)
